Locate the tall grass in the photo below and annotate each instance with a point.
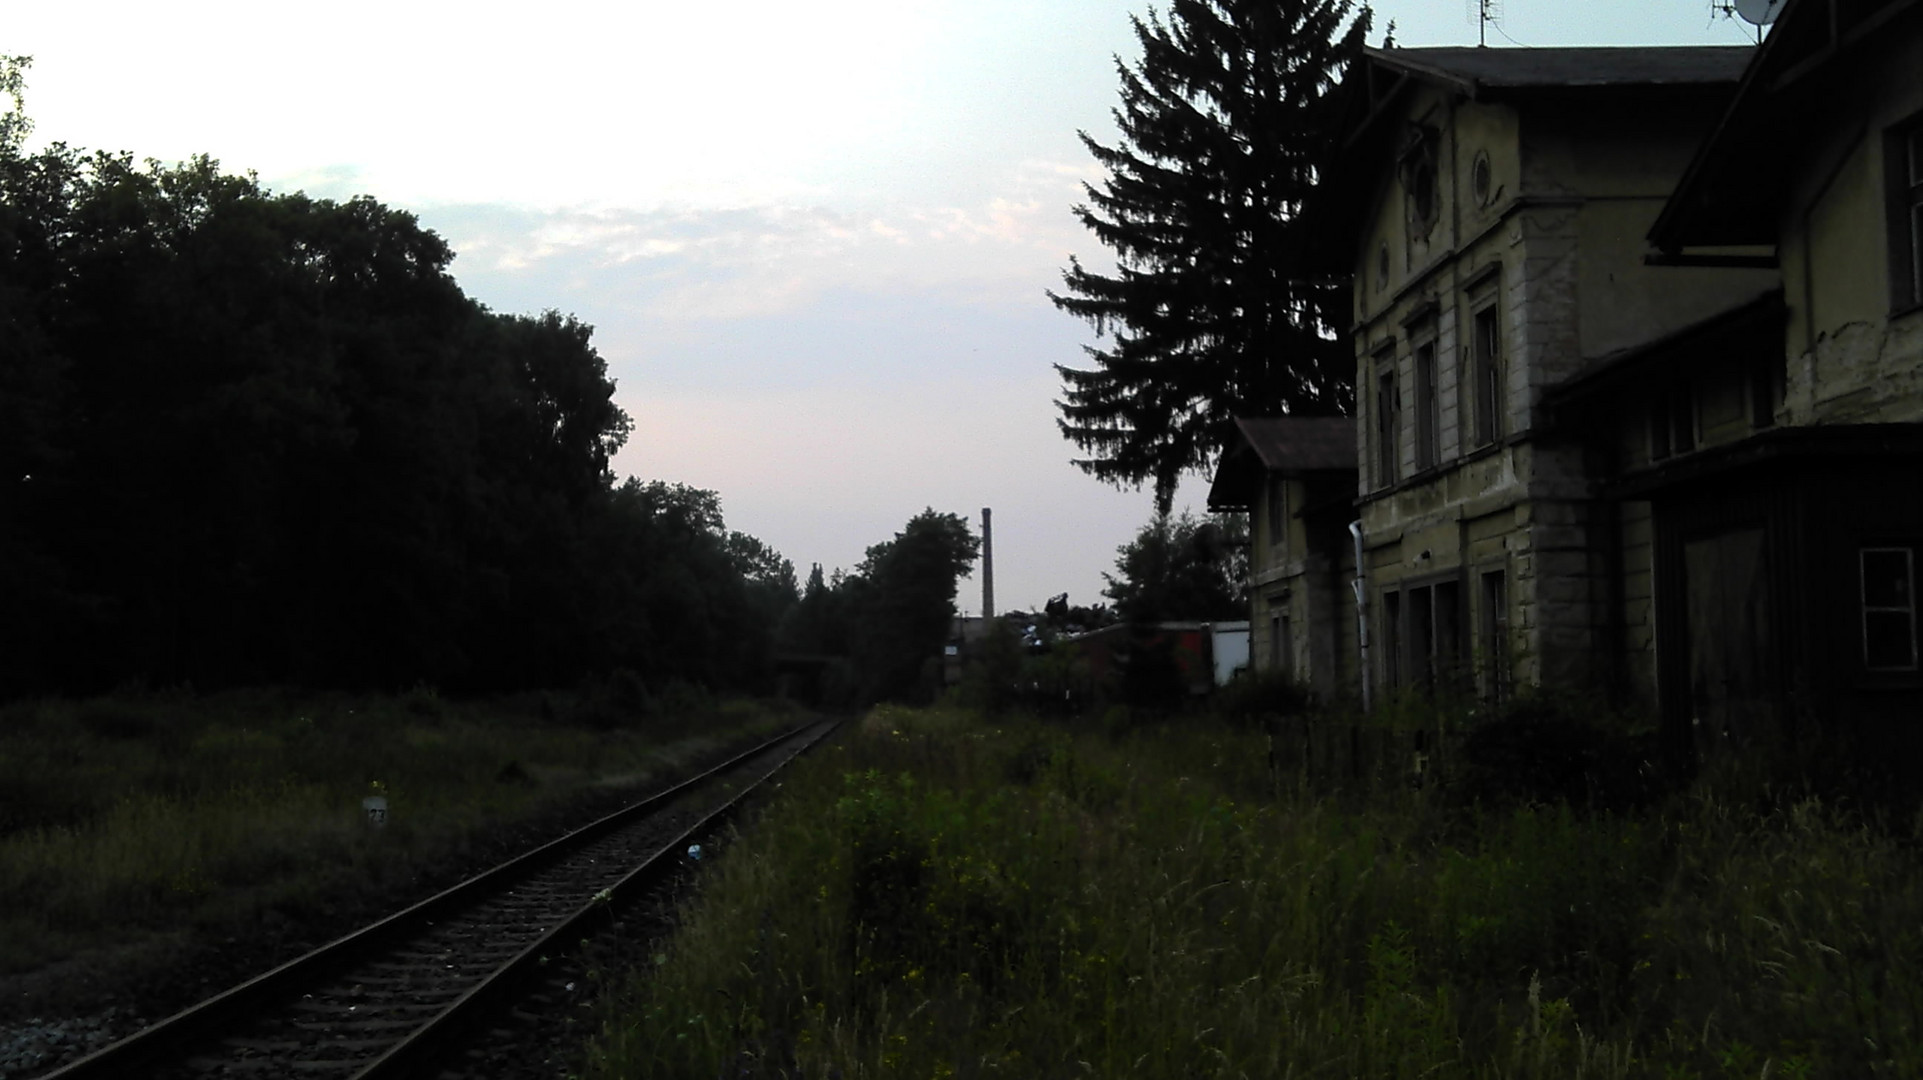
(936, 896)
(128, 817)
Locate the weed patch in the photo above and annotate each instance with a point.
(942, 895)
(127, 817)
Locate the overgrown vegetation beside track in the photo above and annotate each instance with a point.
(124, 818)
(939, 895)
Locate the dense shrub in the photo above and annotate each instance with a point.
(1259, 698)
(1544, 750)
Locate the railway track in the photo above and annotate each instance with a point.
(393, 998)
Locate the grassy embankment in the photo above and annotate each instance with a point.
(938, 896)
(126, 818)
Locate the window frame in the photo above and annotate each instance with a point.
(1281, 640)
(1388, 420)
(1424, 346)
(1426, 648)
(1391, 621)
(1492, 634)
(1673, 423)
(1277, 513)
(1903, 168)
(1485, 365)
(1866, 609)
(1685, 418)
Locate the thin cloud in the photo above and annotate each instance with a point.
(695, 264)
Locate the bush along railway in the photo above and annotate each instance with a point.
(405, 996)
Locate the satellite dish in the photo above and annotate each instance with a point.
(1759, 12)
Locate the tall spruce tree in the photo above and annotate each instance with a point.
(1223, 122)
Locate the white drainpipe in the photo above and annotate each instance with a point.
(1361, 587)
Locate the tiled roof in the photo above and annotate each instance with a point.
(1291, 445)
(1297, 444)
(1597, 66)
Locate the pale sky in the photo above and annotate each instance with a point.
(813, 238)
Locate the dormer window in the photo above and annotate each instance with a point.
(1418, 168)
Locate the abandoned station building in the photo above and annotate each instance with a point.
(1638, 337)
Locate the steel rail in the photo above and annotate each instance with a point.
(209, 1017)
(406, 1057)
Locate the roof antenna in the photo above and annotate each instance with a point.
(1485, 12)
(1757, 13)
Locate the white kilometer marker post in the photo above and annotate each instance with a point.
(375, 806)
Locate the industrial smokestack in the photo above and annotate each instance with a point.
(988, 567)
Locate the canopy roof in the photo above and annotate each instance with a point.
(1283, 445)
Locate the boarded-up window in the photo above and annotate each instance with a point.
(1889, 609)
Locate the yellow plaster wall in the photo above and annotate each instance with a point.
(1574, 196)
(1849, 282)
(1465, 128)
(1481, 127)
(1622, 302)
(1852, 359)
(1268, 560)
(1317, 604)
(1611, 151)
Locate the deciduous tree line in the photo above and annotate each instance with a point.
(248, 436)
(890, 618)
(255, 437)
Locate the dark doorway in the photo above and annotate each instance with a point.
(1726, 601)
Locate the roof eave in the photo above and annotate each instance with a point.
(1686, 219)
(1397, 58)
